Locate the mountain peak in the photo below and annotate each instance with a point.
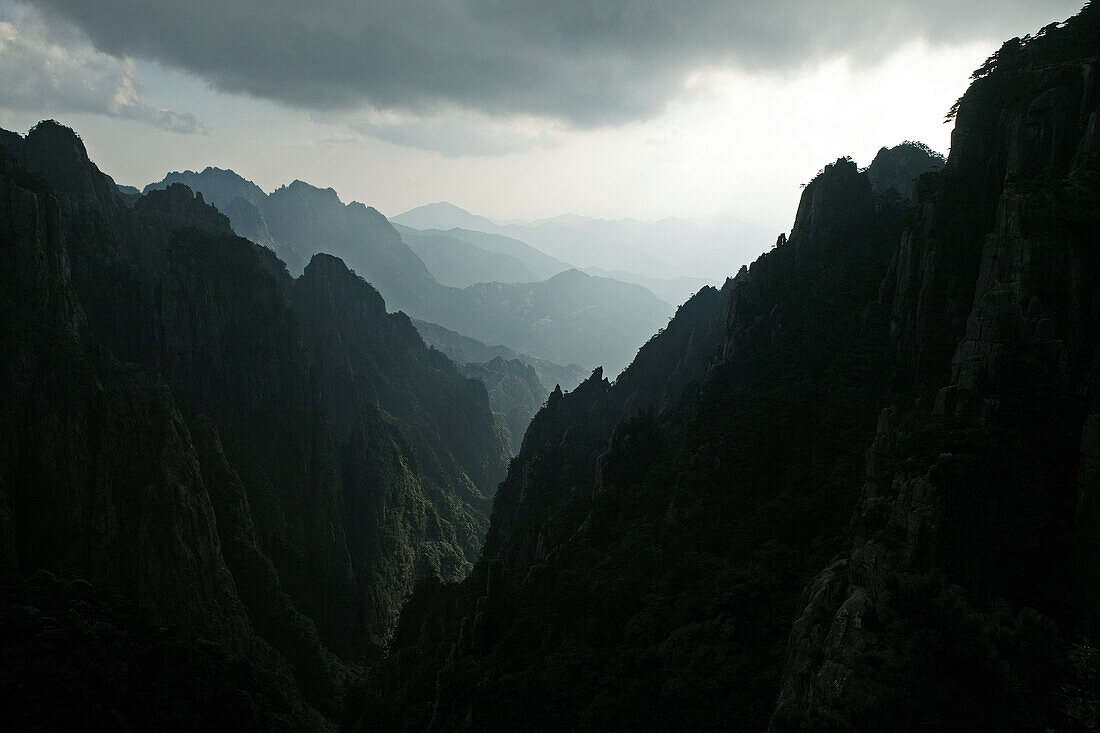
(53, 133)
(899, 167)
(308, 191)
(443, 215)
(57, 154)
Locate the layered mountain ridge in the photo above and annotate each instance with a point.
(232, 453)
(594, 321)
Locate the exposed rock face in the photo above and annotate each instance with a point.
(185, 425)
(366, 357)
(99, 481)
(89, 448)
(988, 481)
(655, 554)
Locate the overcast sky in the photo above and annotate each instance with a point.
(510, 108)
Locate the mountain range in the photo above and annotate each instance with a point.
(668, 247)
(853, 486)
(568, 318)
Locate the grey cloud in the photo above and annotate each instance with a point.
(585, 62)
(54, 69)
(458, 135)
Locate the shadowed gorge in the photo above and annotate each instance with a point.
(270, 461)
(677, 549)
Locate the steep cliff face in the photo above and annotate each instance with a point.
(92, 446)
(100, 486)
(192, 428)
(379, 380)
(931, 364)
(977, 526)
(649, 544)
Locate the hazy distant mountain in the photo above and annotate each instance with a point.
(538, 262)
(672, 290)
(567, 219)
(668, 247)
(442, 215)
(571, 318)
(577, 319)
(515, 394)
(458, 263)
(453, 265)
(463, 349)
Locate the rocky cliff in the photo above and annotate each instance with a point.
(230, 452)
(114, 578)
(646, 551)
(977, 522)
(677, 549)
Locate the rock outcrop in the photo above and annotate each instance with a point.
(898, 168)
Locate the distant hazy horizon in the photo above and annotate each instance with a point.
(714, 112)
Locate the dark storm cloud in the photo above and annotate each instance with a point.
(587, 63)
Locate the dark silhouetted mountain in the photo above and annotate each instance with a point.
(232, 478)
(218, 185)
(460, 264)
(677, 550)
(899, 167)
(242, 201)
(662, 527)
